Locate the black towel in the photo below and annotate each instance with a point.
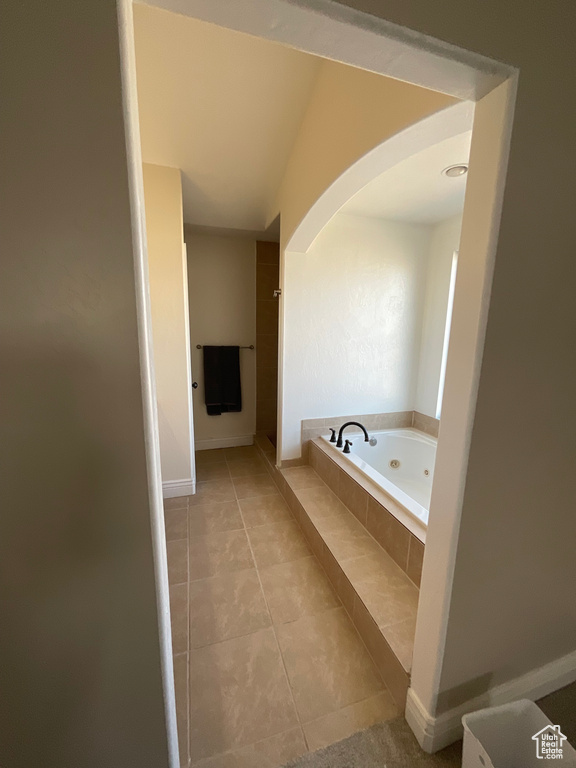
(222, 391)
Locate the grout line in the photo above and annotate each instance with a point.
(404, 570)
(273, 626)
(342, 605)
(348, 614)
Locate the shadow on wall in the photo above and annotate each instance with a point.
(70, 562)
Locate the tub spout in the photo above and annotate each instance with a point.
(339, 444)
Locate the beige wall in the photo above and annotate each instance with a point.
(512, 606)
(350, 112)
(222, 290)
(169, 303)
(81, 680)
(356, 298)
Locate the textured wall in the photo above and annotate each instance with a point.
(222, 290)
(353, 317)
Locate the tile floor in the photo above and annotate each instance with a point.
(267, 663)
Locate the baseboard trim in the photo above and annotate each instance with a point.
(173, 488)
(434, 733)
(224, 442)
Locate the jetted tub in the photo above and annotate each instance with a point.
(401, 464)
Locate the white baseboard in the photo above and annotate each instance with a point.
(224, 442)
(434, 733)
(173, 488)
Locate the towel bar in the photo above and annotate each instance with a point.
(199, 346)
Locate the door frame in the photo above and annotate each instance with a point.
(333, 30)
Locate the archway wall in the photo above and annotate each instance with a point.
(351, 112)
(352, 362)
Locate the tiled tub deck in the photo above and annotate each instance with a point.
(373, 562)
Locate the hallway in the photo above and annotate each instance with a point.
(267, 663)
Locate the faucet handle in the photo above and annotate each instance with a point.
(347, 445)
(333, 435)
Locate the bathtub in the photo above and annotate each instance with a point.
(401, 464)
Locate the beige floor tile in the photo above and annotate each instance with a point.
(213, 518)
(277, 543)
(212, 471)
(327, 664)
(213, 492)
(181, 693)
(378, 569)
(346, 538)
(400, 638)
(177, 552)
(176, 523)
(340, 521)
(246, 467)
(238, 694)
(302, 477)
(325, 467)
(389, 605)
(178, 502)
(213, 456)
(338, 579)
(320, 502)
(415, 560)
(344, 722)
(390, 668)
(273, 752)
(179, 617)
(384, 588)
(222, 552)
(389, 532)
(241, 452)
(226, 606)
(296, 589)
(353, 496)
(261, 510)
(268, 753)
(254, 485)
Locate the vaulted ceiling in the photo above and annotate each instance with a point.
(227, 108)
(223, 107)
(415, 190)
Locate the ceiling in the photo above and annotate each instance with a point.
(415, 190)
(223, 107)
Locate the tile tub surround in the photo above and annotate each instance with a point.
(267, 662)
(312, 428)
(375, 590)
(426, 424)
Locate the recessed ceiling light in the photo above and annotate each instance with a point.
(456, 170)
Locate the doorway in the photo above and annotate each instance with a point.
(465, 81)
